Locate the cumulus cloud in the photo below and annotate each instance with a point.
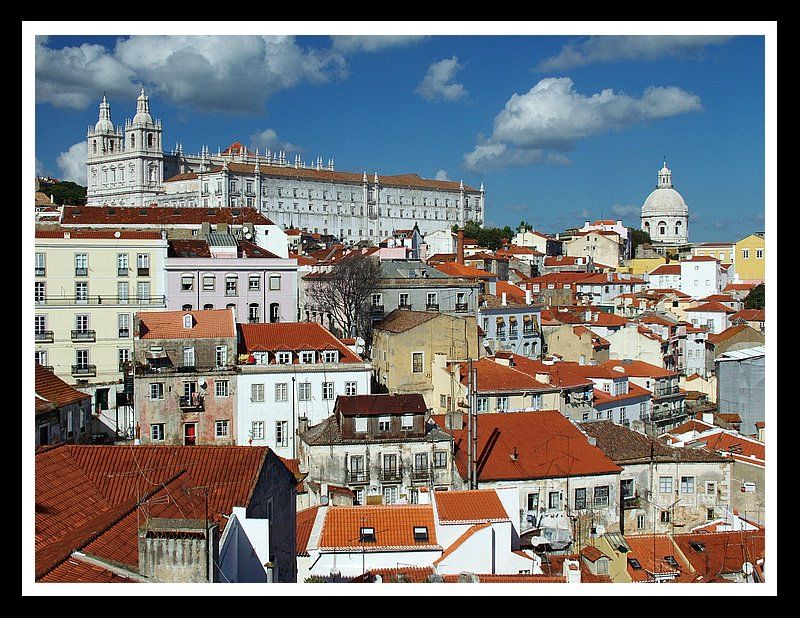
(268, 139)
(209, 73)
(553, 116)
(626, 210)
(347, 44)
(72, 163)
(439, 82)
(641, 48)
(441, 175)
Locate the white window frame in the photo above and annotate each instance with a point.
(306, 357)
(501, 403)
(407, 421)
(327, 391)
(687, 487)
(350, 388)
(254, 282)
(257, 430)
(283, 358)
(330, 356)
(274, 282)
(221, 428)
(157, 432)
(361, 424)
(221, 356)
(158, 391)
(421, 364)
(281, 433)
(189, 358)
(257, 392)
(304, 391)
(209, 283)
(384, 423)
(221, 388)
(665, 484)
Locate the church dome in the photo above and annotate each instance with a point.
(665, 201)
(104, 124)
(142, 110)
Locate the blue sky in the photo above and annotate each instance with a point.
(558, 128)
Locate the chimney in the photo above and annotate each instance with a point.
(178, 550)
(454, 420)
(543, 377)
(460, 247)
(528, 297)
(302, 424)
(588, 316)
(423, 496)
(504, 302)
(572, 571)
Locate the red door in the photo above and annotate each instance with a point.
(189, 430)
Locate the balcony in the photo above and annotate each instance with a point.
(432, 307)
(461, 307)
(404, 306)
(666, 392)
(390, 475)
(189, 404)
(44, 336)
(122, 272)
(84, 370)
(124, 333)
(83, 335)
(81, 271)
(143, 272)
(159, 301)
(376, 310)
(513, 335)
(357, 477)
(40, 272)
(420, 474)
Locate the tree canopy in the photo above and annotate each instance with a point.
(66, 192)
(755, 299)
(489, 237)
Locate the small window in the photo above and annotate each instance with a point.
(221, 388)
(209, 283)
(664, 517)
(283, 358)
(367, 535)
(221, 429)
(640, 522)
(157, 390)
(580, 498)
(416, 362)
(187, 283)
(282, 391)
(306, 358)
(670, 560)
(407, 421)
(687, 484)
(330, 356)
(257, 393)
(384, 423)
(350, 388)
(274, 282)
(440, 459)
(601, 495)
(157, 432)
(281, 433)
(304, 391)
(257, 430)
(634, 564)
(187, 320)
(361, 424)
(254, 282)
(327, 390)
(420, 534)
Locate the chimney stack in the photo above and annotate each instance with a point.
(528, 297)
(302, 424)
(504, 302)
(460, 247)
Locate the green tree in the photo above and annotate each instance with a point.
(638, 237)
(67, 192)
(755, 299)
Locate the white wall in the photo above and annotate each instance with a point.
(244, 549)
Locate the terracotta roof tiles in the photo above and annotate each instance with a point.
(305, 523)
(454, 269)
(469, 506)
(393, 526)
(403, 320)
(159, 215)
(54, 390)
(374, 405)
(293, 336)
(206, 324)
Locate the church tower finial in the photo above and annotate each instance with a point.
(665, 176)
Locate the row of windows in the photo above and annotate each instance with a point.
(687, 485)
(303, 391)
(303, 357)
(82, 292)
(221, 431)
(389, 461)
(746, 254)
(82, 264)
(82, 324)
(600, 498)
(209, 283)
(82, 357)
(221, 389)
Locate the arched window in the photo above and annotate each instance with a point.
(149, 140)
(94, 146)
(111, 146)
(208, 306)
(253, 313)
(274, 312)
(662, 227)
(186, 308)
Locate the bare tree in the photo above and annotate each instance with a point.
(344, 292)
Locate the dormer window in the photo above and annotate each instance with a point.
(283, 358)
(306, 358)
(330, 356)
(367, 535)
(187, 320)
(421, 534)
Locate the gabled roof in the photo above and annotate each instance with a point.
(469, 506)
(562, 374)
(206, 324)
(713, 554)
(712, 307)
(734, 445)
(639, 369)
(374, 405)
(159, 215)
(77, 571)
(540, 441)
(53, 390)
(471, 531)
(454, 269)
(495, 377)
(403, 320)
(667, 269)
(732, 331)
(598, 343)
(651, 553)
(292, 336)
(511, 290)
(749, 315)
(625, 446)
(304, 521)
(393, 526)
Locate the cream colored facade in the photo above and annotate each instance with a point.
(750, 258)
(530, 239)
(573, 347)
(393, 354)
(725, 252)
(602, 248)
(78, 302)
(678, 307)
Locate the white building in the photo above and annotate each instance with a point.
(291, 371)
(665, 215)
(129, 167)
(713, 315)
(665, 277)
(702, 276)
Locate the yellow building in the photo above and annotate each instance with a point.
(641, 266)
(750, 258)
(722, 251)
(87, 286)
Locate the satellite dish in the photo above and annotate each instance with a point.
(117, 234)
(248, 235)
(201, 382)
(747, 569)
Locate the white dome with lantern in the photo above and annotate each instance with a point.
(665, 215)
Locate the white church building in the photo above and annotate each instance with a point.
(127, 166)
(665, 215)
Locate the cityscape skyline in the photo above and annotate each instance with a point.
(696, 100)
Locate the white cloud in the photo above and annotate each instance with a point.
(268, 139)
(347, 44)
(72, 163)
(439, 82)
(441, 175)
(209, 73)
(626, 210)
(558, 159)
(553, 116)
(640, 48)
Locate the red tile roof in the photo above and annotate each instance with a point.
(598, 342)
(76, 571)
(733, 445)
(740, 287)
(469, 506)
(294, 336)
(749, 315)
(542, 447)
(715, 554)
(602, 279)
(511, 290)
(393, 525)
(159, 215)
(732, 331)
(562, 375)
(494, 377)
(206, 324)
(402, 320)
(592, 553)
(54, 390)
(454, 269)
(107, 234)
(181, 248)
(712, 307)
(565, 260)
(638, 369)
(651, 554)
(634, 391)
(701, 258)
(667, 269)
(305, 523)
(374, 405)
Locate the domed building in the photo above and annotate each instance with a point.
(665, 215)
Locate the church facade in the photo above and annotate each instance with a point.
(128, 166)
